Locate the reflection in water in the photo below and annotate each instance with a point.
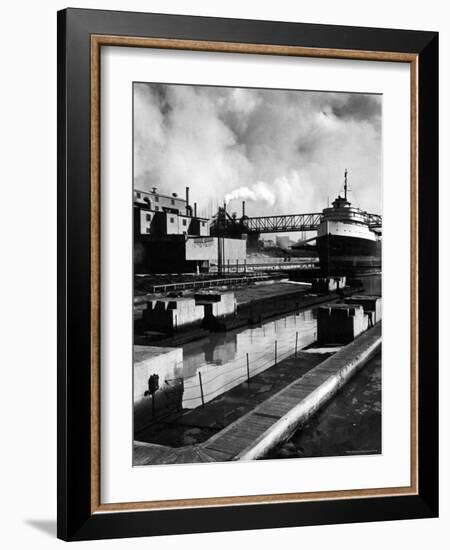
(221, 361)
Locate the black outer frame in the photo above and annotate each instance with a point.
(75, 521)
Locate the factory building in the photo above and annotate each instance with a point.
(162, 215)
(169, 236)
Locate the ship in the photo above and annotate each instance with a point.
(348, 239)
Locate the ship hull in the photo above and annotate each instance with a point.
(345, 255)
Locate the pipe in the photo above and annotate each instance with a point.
(187, 201)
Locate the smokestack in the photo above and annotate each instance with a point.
(195, 209)
(187, 200)
(243, 208)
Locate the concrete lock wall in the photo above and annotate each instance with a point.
(169, 314)
(372, 306)
(167, 363)
(340, 323)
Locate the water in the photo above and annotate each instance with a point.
(221, 361)
(350, 424)
(216, 365)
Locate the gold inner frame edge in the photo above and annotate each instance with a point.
(97, 41)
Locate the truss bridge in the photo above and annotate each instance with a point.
(225, 224)
(282, 224)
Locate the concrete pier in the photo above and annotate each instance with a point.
(253, 435)
(328, 284)
(254, 305)
(157, 384)
(170, 314)
(370, 304)
(340, 323)
(217, 304)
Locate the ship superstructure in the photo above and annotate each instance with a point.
(347, 239)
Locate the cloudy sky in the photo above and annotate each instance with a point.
(282, 151)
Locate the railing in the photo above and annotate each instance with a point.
(375, 220)
(167, 287)
(289, 263)
(211, 382)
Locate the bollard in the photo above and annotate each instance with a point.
(201, 388)
(248, 371)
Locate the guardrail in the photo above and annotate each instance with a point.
(209, 383)
(165, 287)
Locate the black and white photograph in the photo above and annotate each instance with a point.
(257, 273)
(222, 228)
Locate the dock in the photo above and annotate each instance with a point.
(253, 435)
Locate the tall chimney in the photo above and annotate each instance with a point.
(187, 201)
(243, 208)
(195, 209)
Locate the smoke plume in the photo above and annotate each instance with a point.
(283, 151)
(260, 191)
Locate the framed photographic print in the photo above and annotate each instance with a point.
(247, 274)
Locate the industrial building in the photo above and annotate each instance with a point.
(169, 237)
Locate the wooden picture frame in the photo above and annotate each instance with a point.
(81, 35)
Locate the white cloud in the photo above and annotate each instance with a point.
(283, 151)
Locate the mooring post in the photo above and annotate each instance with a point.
(248, 371)
(201, 388)
(275, 352)
(296, 343)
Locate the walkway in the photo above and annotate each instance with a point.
(260, 430)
